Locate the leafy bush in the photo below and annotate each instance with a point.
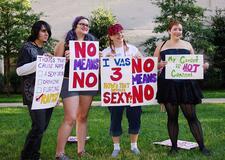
(218, 39)
(100, 20)
(213, 79)
(191, 17)
(15, 82)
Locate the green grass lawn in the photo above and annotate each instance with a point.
(18, 97)
(15, 123)
(10, 99)
(214, 93)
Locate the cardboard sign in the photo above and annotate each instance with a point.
(84, 66)
(144, 81)
(184, 67)
(48, 81)
(180, 144)
(126, 81)
(116, 81)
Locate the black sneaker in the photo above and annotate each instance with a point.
(173, 151)
(205, 152)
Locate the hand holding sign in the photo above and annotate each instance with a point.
(127, 81)
(84, 65)
(67, 55)
(162, 64)
(48, 82)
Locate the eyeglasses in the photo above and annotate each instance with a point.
(83, 24)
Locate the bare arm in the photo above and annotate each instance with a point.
(157, 52)
(138, 54)
(161, 63)
(191, 48)
(59, 49)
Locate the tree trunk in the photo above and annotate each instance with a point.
(7, 73)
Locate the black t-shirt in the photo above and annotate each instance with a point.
(27, 54)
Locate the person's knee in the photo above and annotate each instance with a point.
(70, 120)
(37, 131)
(191, 118)
(82, 117)
(173, 119)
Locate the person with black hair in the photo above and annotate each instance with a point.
(26, 67)
(178, 92)
(76, 103)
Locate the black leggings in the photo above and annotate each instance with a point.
(189, 112)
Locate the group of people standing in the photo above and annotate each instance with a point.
(171, 93)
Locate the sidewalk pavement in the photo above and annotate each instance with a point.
(98, 103)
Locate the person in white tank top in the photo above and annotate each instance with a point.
(119, 48)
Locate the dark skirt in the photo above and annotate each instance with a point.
(65, 93)
(178, 91)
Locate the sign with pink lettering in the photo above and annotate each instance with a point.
(116, 81)
(48, 81)
(144, 81)
(127, 81)
(184, 67)
(84, 65)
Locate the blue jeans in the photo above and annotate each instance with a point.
(133, 116)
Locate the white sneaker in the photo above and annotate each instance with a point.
(135, 151)
(115, 153)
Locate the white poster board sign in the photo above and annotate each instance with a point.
(48, 81)
(184, 67)
(116, 81)
(144, 81)
(127, 81)
(180, 144)
(84, 66)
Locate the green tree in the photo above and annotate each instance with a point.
(192, 18)
(218, 39)
(16, 20)
(100, 20)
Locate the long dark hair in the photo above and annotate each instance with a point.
(71, 35)
(36, 29)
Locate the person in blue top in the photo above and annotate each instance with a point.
(175, 93)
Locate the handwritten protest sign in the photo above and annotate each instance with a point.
(116, 81)
(144, 81)
(48, 81)
(127, 81)
(184, 67)
(84, 65)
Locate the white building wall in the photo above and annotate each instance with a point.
(136, 16)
